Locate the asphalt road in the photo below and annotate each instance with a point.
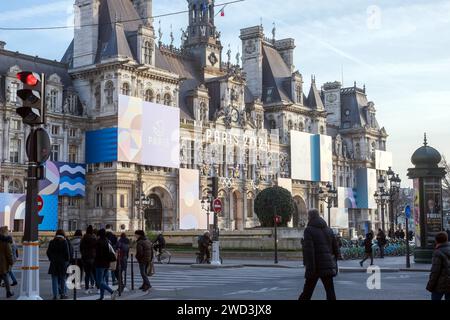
(267, 283)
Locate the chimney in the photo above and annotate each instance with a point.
(2, 45)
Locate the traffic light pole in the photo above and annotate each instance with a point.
(216, 243)
(29, 289)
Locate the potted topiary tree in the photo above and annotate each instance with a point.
(274, 201)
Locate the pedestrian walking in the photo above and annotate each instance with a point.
(88, 245)
(320, 252)
(439, 282)
(112, 238)
(76, 254)
(15, 255)
(6, 260)
(204, 242)
(123, 252)
(402, 234)
(104, 256)
(381, 242)
(144, 257)
(58, 254)
(368, 250)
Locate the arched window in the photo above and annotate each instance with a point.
(125, 89)
(98, 98)
(301, 127)
(72, 101)
(149, 97)
(147, 52)
(15, 187)
(357, 151)
(99, 197)
(290, 125)
(109, 92)
(53, 99)
(158, 98)
(13, 92)
(299, 94)
(167, 99)
(273, 124)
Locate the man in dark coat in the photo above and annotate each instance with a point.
(368, 250)
(144, 256)
(439, 282)
(320, 252)
(381, 240)
(58, 253)
(87, 249)
(104, 256)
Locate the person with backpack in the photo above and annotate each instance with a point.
(439, 281)
(88, 246)
(144, 256)
(76, 254)
(58, 253)
(320, 254)
(104, 256)
(112, 238)
(368, 250)
(123, 252)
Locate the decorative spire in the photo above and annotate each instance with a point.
(160, 34)
(274, 32)
(229, 54)
(425, 141)
(238, 57)
(261, 22)
(313, 79)
(171, 36)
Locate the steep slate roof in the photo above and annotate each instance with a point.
(187, 70)
(314, 100)
(355, 100)
(275, 73)
(117, 39)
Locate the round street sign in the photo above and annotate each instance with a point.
(40, 202)
(217, 206)
(408, 212)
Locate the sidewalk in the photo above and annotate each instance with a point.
(388, 264)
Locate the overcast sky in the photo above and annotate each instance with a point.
(399, 49)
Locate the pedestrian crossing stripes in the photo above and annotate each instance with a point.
(174, 280)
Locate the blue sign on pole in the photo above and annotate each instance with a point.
(408, 212)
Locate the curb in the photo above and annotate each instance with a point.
(210, 266)
(364, 270)
(271, 266)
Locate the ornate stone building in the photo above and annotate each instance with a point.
(261, 94)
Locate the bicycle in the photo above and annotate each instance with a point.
(163, 257)
(201, 259)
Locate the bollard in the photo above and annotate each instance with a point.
(132, 273)
(75, 286)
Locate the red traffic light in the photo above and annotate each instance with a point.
(29, 78)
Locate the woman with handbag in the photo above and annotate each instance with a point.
(104, 257)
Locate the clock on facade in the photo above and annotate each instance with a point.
(235, 115)
(212, 58)
(332, 97)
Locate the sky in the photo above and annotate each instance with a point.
(399, 49)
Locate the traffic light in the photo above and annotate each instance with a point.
(33, 97)
(213, 186)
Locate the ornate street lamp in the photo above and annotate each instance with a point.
(381, 198)
(328, 196)
(394, 191)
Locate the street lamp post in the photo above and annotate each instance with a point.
(206, 206)
(328, 196)
(394, 190)
(381, 198)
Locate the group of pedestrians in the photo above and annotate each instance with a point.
(99, 256)
(8, 256)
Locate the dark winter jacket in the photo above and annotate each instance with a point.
(6, 255)
(58, 254)
(381, 239)
(88, 247)
(160, 241)
(440, 270)
(144, 250)
(368, 245)
(320, 250)
(123, 248)
(112, 238)
(102, 254)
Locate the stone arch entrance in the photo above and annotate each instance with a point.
(154, 214)
(160, 214)
(300, 218)
(238, 211)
